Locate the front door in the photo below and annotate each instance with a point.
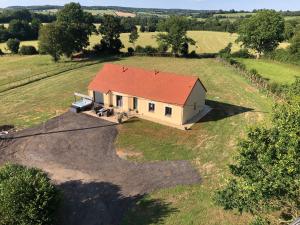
(98, 97)
(135, 103)
(119, 101)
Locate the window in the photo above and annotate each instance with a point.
(135, 103)
(119, 101)
(168, 111)
(151, 107)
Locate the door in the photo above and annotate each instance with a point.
(119, 101)
(135, 103)
(98, 97)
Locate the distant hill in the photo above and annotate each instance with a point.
(117, 8)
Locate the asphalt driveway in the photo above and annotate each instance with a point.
(78, 152)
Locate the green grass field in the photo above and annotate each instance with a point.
(275, 71)
(210, 145)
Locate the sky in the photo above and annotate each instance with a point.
(182, 4)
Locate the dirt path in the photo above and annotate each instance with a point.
(78, 153)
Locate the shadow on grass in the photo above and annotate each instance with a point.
(102, 203)
(221, 110)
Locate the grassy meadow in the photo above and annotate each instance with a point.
(210, 145)
(275, 71)
(207, 41)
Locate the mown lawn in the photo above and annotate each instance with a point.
(40, 66)
(16, 67)
(210, 145)
(275, 71)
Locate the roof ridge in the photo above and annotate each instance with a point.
(136, 81)
(187, 76)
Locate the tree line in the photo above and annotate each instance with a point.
(24, 14)
(23, 24)
(70, 33)
(20, 29)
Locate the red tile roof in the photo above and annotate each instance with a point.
(153, 85)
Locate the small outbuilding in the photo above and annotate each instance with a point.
(154, 95)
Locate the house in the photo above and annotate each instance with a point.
(154, 95)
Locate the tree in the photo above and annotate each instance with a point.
(4, 34)
(133, 36)
(20, 29)
(289, 30)
(22, 14)
(110, 30)
(294, 48)
(27, 196)
(262, 32)
(77, 25)
(176, 33)
(51, 39)
(35, 28)
(13, 45)
(266, 174)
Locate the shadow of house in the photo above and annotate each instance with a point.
(221, 110)
(102, 203)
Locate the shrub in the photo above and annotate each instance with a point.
(163, 48)
(150, 50)
(193, 54)
(13, 45)
(27, 196)
(259, 221)
(184, 49)
(242, 53)
(28, 50)
(139, 49)
(143, 29)
(130, 50)
(146, 50)
(225, 53)
(253, 72)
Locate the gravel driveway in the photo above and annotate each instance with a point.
(78, 152)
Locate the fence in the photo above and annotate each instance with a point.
(271, 89)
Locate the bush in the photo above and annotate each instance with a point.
(163, 48)
(27, 196)
(143, 29)
(13, 45)
(242, 53)
(139, 49)
(254, 72)
(147, 50)
(225, 53)
(28, 50)
(259, 221)
(130, 50)
(150, 50)
(193, 54)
